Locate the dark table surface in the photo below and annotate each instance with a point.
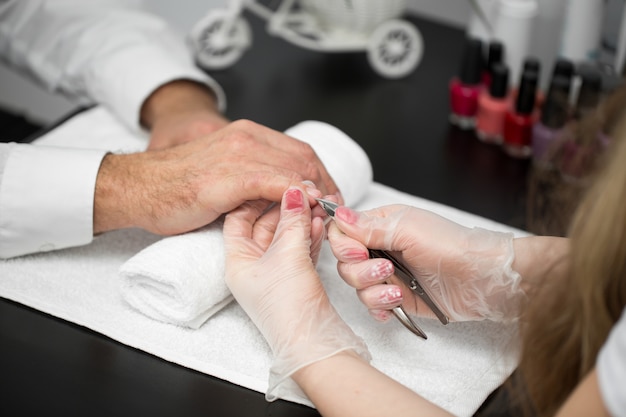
(51, 367)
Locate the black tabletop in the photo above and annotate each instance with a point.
(51, 367)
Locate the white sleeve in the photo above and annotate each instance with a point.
(611, 368)
(46, 197)
(96, 51)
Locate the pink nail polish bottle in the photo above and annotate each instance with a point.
(494, 57)
(493, 105)
(465, 89)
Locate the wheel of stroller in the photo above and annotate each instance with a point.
(213, 45)
(395, 48)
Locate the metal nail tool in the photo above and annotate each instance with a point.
(405, 276)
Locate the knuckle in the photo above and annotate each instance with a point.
(245, 125)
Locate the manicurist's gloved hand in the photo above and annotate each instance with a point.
(467, 271)
(270, 270)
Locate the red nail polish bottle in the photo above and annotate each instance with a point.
(493, 105)
(465, 89)
(518, 122)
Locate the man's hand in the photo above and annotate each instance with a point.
(179, 189)
(179, 112)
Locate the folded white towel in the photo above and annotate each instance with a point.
(180, 279)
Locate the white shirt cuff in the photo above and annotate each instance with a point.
(47, 198)
(135, 84)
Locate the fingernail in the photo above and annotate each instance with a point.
(390, 295)
(293, 199)
(380, 271)
(347, 215)
(311, 189)
(381, 315)
(356, 255)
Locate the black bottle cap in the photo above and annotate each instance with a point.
(527, 93)
(564, 67)
(531, 64)
(590, 87)
(495, 54)
(499, 81)
(472, 62)
(555, 110)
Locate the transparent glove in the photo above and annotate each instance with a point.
(270, 269)
(467, 271)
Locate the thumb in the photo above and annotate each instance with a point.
(294, 226)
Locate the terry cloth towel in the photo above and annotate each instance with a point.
(180, 279)
(456, 368)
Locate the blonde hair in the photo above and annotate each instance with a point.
(572, 314)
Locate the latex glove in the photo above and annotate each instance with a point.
(270, 270)
(467, 271)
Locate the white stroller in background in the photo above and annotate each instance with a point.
(394, 46)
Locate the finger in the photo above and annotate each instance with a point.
(317, 238)
(366, 273)
(319, 173)
(294, 226)
(265, 227)
(376, 229)
(300, 153)
(381, 315)
(345, 248)
(381, 297)
(240, 222)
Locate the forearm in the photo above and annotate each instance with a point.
(538, 258)
(346, 385)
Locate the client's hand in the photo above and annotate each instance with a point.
(270, 270)
(467, 271)
(180, 111)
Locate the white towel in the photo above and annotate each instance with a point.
(456, 368)
(180, 279)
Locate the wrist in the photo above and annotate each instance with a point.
(552, 251)
(325, 335)
(175, 97)
(114, 195)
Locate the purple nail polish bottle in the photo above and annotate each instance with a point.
(554, 115)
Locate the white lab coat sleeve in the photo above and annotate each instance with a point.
(106, 52)
(611, 368)
(46, 197)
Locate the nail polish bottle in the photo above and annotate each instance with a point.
(493, 105)
(518, 122)
(588, 94)
(565, 67)
(465, 89)
(494, 56)
(554, 115)
(531, 64)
